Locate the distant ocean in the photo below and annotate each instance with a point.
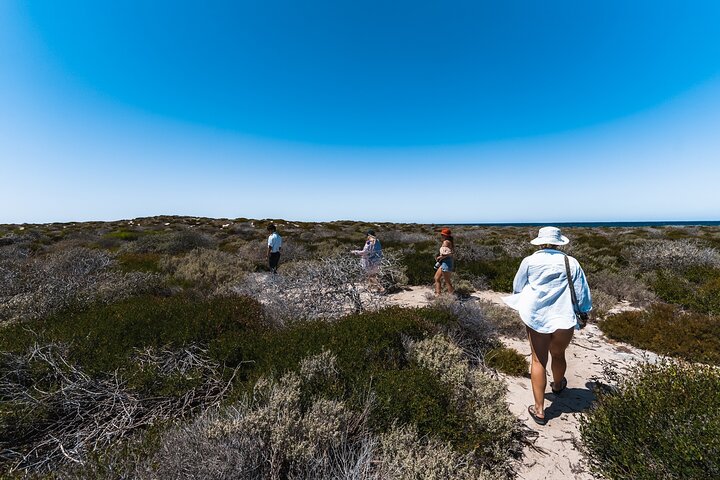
(702, 223)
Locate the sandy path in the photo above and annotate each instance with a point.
(553, 455)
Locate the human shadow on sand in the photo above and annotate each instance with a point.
(571, 400)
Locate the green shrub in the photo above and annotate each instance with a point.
(125, 235)
(663, 422)
(170, 242)
(415, 396)
(419, 267)
(102, 337)
(507, 360)
(667, 330)
(500, 272)
(697, 288)
(206, 268)
(139, 262)
(363, 343)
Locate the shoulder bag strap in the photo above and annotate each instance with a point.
(570, 285)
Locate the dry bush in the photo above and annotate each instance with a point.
(399, 236)
(36, 286)
(471, 318)
(269, 435)
(253, 252)
(472, 387)
(516, 248)
(672, 255)
(602, 304)
(472, 252)
(404, 455)
(504, 320)
(55, 414)
(294, 251)
(206, 267)
(171, 242)
(622, 286)
(327, 288)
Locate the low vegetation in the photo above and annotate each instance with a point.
(161, 348)
(667, 330)
(660, 421)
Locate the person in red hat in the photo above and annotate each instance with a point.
(444, 266)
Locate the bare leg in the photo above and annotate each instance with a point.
(438, 281)
(540, 346)
(446, 276)
(559, 341)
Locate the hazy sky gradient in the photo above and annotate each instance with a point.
(401, 111)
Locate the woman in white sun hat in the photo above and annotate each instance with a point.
(541, 294)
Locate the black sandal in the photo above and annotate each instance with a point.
(563, 385)
(539, 420)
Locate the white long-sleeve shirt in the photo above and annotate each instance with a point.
(541, 293)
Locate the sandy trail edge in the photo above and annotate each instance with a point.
(553, 455)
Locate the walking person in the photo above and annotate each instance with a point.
(444, 262)
(550, 311)
(370, 258)
(274, 246)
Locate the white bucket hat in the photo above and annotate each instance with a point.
(550, 236)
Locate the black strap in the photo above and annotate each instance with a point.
(576, 307)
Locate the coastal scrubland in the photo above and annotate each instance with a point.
(162, 348)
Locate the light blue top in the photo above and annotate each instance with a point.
(274, 242)
(541, 293)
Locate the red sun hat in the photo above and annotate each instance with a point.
(446, 232)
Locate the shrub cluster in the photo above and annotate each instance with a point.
(622, 286)
(662, 421)
(54, 413)
(678, 255)
(327, 288)
(698, 288)
(508, 361)
(667, 330)
(275, 433)
(171, 243)
(348, 398)
(206, 268)
(34, 286)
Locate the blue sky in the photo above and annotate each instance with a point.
(477, 111)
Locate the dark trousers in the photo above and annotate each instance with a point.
(273, 261)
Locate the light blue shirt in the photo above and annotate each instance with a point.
(541, 295)
(274, 242)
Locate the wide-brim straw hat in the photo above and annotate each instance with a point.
(550, 236)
